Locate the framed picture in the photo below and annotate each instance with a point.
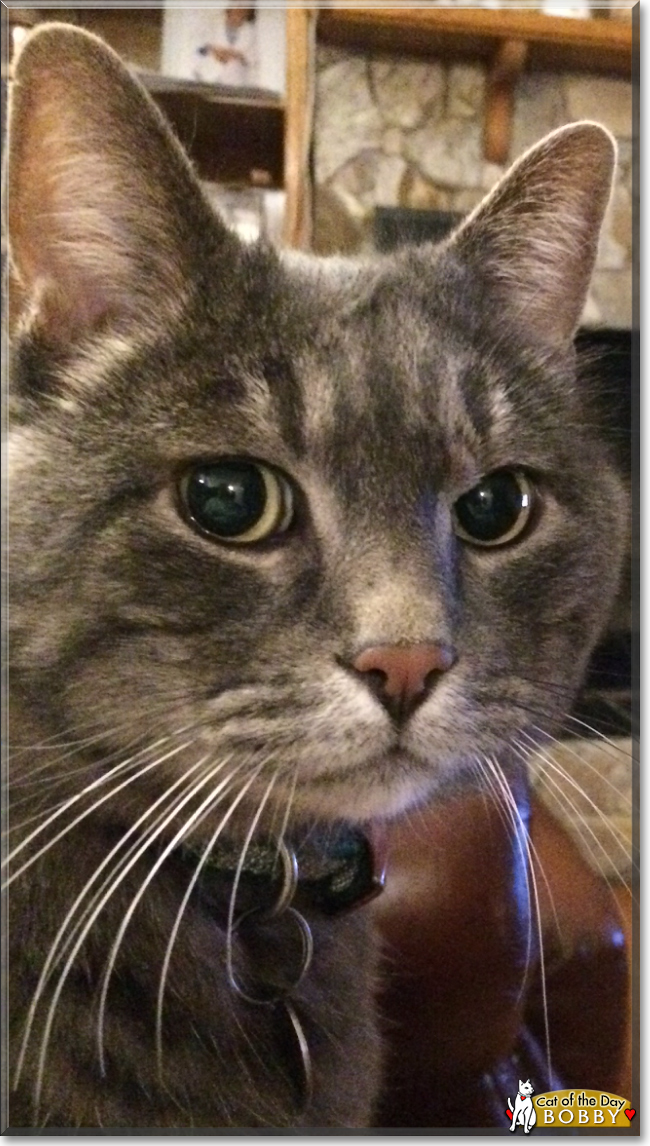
(232, 47)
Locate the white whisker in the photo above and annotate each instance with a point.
(503, 801)
(617, 837)
(188, 891)
(89, 923)
(564, 801)
(157, 702)
(197, 817)
(35, 779)
(566, 746)
(287, 812)
(238, 870)
(129, 765)
(58, 949)
(538, 914)
(599, 735)
(26, 778)
(55, 741)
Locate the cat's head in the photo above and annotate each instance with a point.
(252, 495)
(526, 1088)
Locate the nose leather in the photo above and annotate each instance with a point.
(402, 676)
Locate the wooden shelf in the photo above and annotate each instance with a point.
(232, 139)
(508, 41)
(554, 43)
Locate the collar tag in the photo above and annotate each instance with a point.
(357, 863)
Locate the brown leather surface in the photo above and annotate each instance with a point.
(462, 1003)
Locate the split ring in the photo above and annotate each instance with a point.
(278, 994)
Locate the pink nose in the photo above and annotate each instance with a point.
(402, 676)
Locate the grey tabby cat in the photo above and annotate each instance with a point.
(293, 543)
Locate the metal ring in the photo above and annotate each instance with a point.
(286, 894)
(307, 955)
(290, 881)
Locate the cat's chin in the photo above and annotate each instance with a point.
(361, 799)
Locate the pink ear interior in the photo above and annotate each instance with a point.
(98, 189)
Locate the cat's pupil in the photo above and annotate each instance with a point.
(228, 498)
(493, 509)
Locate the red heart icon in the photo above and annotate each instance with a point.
(630, 1113)
(509, 1113)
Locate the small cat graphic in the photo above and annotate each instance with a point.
(294, 545)
(523, 1112)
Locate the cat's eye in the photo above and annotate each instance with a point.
(496, 510)
(237, 500)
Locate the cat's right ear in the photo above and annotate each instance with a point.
(534, 238)
(105, 217)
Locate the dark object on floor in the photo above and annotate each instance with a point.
(462, 1021)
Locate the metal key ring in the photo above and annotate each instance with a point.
(289, 882)
(307, 955)
(286, 893)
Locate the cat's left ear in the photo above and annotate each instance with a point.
(534, 239)
(106, 220)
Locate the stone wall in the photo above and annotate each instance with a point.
(395, 132)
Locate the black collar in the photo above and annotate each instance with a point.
(335, 868)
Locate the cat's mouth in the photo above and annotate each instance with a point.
(396, 751)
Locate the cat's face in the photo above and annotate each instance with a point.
(377, 398)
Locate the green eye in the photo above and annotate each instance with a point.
(238, 501)
(496, 510)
